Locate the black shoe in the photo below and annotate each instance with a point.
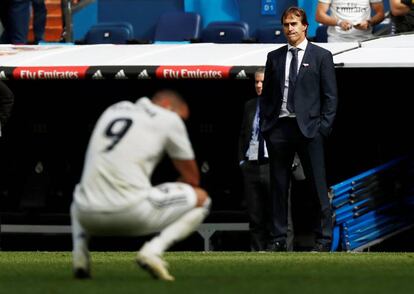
(320, 247)
(277, 246)
(81, 274)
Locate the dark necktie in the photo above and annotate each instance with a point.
(293, 72)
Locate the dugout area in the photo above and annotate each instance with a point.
(43, 145)
(61, 90)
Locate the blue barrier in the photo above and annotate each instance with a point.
(373, 205)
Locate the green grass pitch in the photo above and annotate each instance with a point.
(213, 273)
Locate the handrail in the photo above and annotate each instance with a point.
(67, 20)
(80, 5)
(68, 9)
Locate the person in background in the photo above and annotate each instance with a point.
(115, 195)
(15, 17)
(254, 164)
(298, 108)
(39, 19)
(349, 20)
(15, 22)
(402, 16)
(3, 15)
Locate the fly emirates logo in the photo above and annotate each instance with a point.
(192, 72)
(44, 73)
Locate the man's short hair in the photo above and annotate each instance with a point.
(298, 12)
(259, 70)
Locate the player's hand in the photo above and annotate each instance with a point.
(363, 25)
(345, 25)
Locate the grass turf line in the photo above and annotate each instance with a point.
(213, 273)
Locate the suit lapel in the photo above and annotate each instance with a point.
(281, 62)
(252, 112)
(306, 60)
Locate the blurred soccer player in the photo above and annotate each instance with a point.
(115, 196)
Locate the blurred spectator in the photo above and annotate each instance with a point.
(3, 15)
(39, 19)
(254, 164)
(15, 16)
(349, 20)
(402, 15)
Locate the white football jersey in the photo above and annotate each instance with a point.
(353, 11)
(127, 143)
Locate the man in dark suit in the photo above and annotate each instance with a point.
(254, 164)
(298, 107)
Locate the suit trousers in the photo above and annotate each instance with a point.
(256, 179)
(257, 191)
(283, 140)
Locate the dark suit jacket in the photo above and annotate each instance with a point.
(315, 94)
(246, 127)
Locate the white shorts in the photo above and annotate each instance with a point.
(164, 205)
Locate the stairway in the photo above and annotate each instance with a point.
(54, 28)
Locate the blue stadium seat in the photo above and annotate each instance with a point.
(177, 26)
(123, 24)
(226, 32)
(109, 33)
(235, 23)
(270, 34)
(383, 28)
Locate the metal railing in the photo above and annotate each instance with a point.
(68, 8)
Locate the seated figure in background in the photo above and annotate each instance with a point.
(349, 20)
(402, 15)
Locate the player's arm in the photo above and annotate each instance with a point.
(188, 170)
(379, 14)
(323, 17)
(401, 7)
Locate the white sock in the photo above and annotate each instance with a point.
(178, 230)
(80, 253)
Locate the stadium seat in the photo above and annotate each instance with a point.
(235, 23)
(177, 26)
(321, 34)
(123, 24)
(226, 32)
(109, 33)
(270, 34)
(383, 28)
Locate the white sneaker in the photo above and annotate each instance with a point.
(154, 264)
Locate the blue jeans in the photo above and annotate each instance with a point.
(39, 19)
(16, 22)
